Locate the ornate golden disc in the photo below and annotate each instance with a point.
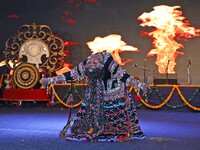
(35, 44)
(26, 75)
(34, 49)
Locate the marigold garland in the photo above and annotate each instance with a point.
(157, 106)
(60, 100)
(168, 98)
(132, 88)
(185, 101)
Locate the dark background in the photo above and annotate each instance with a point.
(102, 18)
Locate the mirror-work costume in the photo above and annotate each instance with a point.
(108, 112)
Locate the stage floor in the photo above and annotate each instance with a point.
(38, 127)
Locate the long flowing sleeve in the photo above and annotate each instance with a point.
(115, 71)
(77, 73)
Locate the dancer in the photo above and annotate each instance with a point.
(107, 112)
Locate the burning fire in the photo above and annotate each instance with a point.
(65, 68)
(10, 63)
(3, 63)
(111, 44)
(169, 25)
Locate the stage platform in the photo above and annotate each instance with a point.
(24, 94)
(17, 96)
(179, 97)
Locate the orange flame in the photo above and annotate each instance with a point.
(111, 44)
(169, 25)
(10, 63)
(66, 67)
(2, 63)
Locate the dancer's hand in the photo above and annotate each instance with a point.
(45, 81)
(144, 87)
(53, 80)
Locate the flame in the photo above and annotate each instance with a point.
(71, 43)
(65, 68)
(111, 44)
(14, 16)
(2, 63)
(169, 25)
(10, 63)
(73, 6)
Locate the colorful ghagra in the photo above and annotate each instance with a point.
(108, 112)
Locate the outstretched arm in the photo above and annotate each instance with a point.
(77, 73)
(118, 72)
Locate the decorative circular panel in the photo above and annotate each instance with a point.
(34, 49)
(26, 75)
(37, 45)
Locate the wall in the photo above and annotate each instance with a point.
(101, 18)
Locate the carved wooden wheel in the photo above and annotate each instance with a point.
(26, 76)
(35, 44)
(33, 49)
